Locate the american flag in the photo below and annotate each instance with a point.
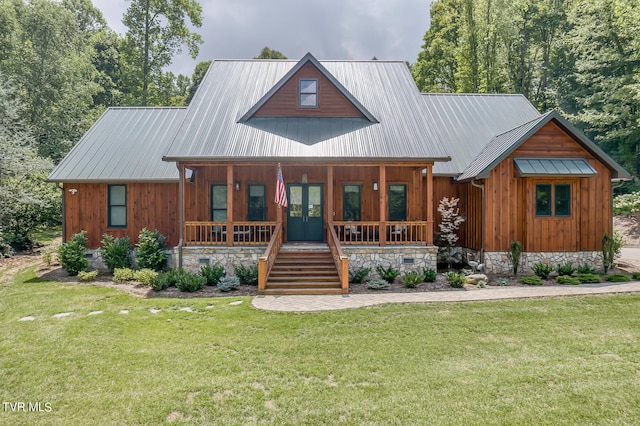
(281, 190)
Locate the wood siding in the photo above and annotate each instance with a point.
(331, 102)
(149, 205)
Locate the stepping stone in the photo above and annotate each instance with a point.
(154, 311)
(63, 314)
(29, 318)
(187, 309)
(209, 307)
(95, 313)
(239, 302)
(124, 312)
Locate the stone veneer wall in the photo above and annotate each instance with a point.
(226, 256)
(499, 263)
(404, 258)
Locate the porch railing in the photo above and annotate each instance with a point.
(266, 261)
(375, 233)
(215, 233)
(341, 261)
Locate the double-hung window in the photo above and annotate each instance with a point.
(117, 206)
(219, 203)
(553, 200)
(308, 93)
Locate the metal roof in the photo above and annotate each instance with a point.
(466, 123)
(553, 167)
(212, 131)
(124, 144)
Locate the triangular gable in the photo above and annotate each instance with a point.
(501, 146)
(306, 65)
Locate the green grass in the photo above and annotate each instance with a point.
(568, 360)
(44, 236)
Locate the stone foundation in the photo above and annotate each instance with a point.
(499, 263)
(404, 258)
(195, 257)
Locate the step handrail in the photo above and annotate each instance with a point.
(266, 261)
(341, 261)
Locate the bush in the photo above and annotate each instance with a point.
(122, 275)
(87, 276)
(429, 275)
(618, 278)
(566, 269)
(228, 283)
(611, 248)
(585, 268)
(534, 280)
(566, 279)
(358, 275)
(212, 274)
(190, 282)
(514, 255)
(150, 250)
(588, 278)
(481, 284)
(247, 275)
(162, 281)
(49, 254)
(145, 276)
(636, 275)
(115, 252)
(388, 274)
(503, 282)
(626, 203)
(542, 270)
(72, 254)
(456, 280)
(378, 284)
(411, 279)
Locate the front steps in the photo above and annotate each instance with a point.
(303, 270)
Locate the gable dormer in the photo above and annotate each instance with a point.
(308, 90)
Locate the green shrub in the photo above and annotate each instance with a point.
(611, 248)
(566, 269)
(162, 281)
(5, 248)
(378, 284)
(567, 279)
(411, 279)
(212, 273)
(515, 254)
(247, 275)
(429, 275)
(532, 280)
(542, 270)
(150, 250)
(358, 275)
(228, 283)
(636, 275)
(626, 203)
(145, 276)
(588, 278)
(72, 254)
(115, 252)
(388, 274)
(456, 280)
(87, 276)
(481, 284)
(503, 282)
(190, 282)
(122, 275)
(585, 268)
(618, 278)
(49, 254)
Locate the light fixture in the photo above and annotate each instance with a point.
(189, 174)
(237, 186)
(73, 191)
(305, 178)
(375, 185)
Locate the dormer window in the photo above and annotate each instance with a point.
(308, 93)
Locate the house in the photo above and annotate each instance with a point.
(364, 157)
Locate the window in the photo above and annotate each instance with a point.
(257, 203)
(397, 202)
(561, 196)
(308, 93)
(351, 202)
(219, 203)
(117, 206)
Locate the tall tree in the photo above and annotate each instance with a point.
(156, 33)
(196, 79)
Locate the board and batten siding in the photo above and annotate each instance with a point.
(149, 205)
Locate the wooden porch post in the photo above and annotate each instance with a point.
(382, 189)
(330, 207)
(230, 234)
(430, 205)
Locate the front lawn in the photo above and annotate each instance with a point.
(548, 361)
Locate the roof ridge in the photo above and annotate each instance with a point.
(147, 107)
(541, 116)
(474, 94)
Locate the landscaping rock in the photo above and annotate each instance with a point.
(473, 279)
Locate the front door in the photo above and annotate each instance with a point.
(304, 215)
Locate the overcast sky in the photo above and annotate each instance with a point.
(329, 29)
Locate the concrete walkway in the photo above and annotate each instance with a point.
(336, 302)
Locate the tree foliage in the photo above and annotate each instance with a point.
(267, 53)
